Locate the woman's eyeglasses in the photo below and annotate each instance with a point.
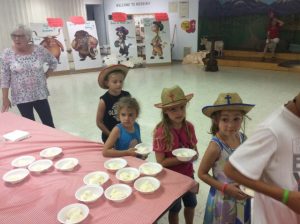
(15, 36)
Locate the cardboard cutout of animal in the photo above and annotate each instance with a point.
(219, 45)
(122, 32)
(85, 44)
(157, 46)
(53, 45)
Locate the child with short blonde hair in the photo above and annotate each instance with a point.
(111, 78)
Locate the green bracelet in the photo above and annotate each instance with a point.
(285, 196)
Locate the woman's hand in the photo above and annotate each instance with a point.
(131, 152)
(234, 191)
(5, 105)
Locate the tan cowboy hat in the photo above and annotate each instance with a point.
(227, 101)
(109, 69)
(173, 96)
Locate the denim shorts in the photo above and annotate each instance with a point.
(189, 200)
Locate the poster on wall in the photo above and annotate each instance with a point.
(52, 38)
(122, 38)
(85, 45)
(157, 41)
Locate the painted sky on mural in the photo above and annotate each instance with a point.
(269, 2)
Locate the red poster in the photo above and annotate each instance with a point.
(77, 20)
(119, 16)
(55, 22)
(161, 16)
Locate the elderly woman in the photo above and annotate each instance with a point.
(22, 71)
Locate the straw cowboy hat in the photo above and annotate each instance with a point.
(109, 69)
(173, 96)
(227, 101)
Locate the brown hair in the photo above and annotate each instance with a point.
(128, 102)
(215, 119)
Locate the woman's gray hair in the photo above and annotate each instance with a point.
(24, 29)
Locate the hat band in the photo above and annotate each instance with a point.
(176, 101)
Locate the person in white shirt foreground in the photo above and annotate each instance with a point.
(269, 163)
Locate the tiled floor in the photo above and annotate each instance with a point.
(74, 100)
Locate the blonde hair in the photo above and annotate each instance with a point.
(166, 125)
(128, 102)
(24, 29)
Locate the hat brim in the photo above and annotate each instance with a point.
(187, 99)
(209, 110)
(107, 70)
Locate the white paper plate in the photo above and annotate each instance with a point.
(89, 193)
(150, 168)
(73, 213)
(97, 177)
(247, 191)
(22, 161)
(127, 174)
(143, 148)
(118, 192)
(146, 185)
(66, 164)
(40, 165)
(15, 175)
(50, 153)
(115, 164)
(184, 154)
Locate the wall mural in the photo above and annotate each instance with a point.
(220, 8)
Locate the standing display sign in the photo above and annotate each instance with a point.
(52, 38)
(85, 45)
(157, 40)
(122, 36)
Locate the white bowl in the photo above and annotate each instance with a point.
(247, 191)
(15, 176)
(143, 148)
(50, 153)
(184, 154)
(66, 164)
(89, 193)
(115, 164)
(97, 177)
(73, 213)
(22, 161)
(150, 168)
(40, 165)
(118, 192)
(146, 185)
(127, 174)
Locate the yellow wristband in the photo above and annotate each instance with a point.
(285, 196)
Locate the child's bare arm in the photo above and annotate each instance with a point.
(211, 155)
(110, 151)
(166, 162)
(99, 117)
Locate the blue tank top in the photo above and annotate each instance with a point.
(128, 139)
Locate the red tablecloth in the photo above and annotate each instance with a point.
(39, 198)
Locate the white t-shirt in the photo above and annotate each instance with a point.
(269, 156)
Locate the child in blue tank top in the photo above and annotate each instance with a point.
(125, 135)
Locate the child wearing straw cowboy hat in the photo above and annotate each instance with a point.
(110, 78)
(173, 132)
(226, 203)
(268, 162)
